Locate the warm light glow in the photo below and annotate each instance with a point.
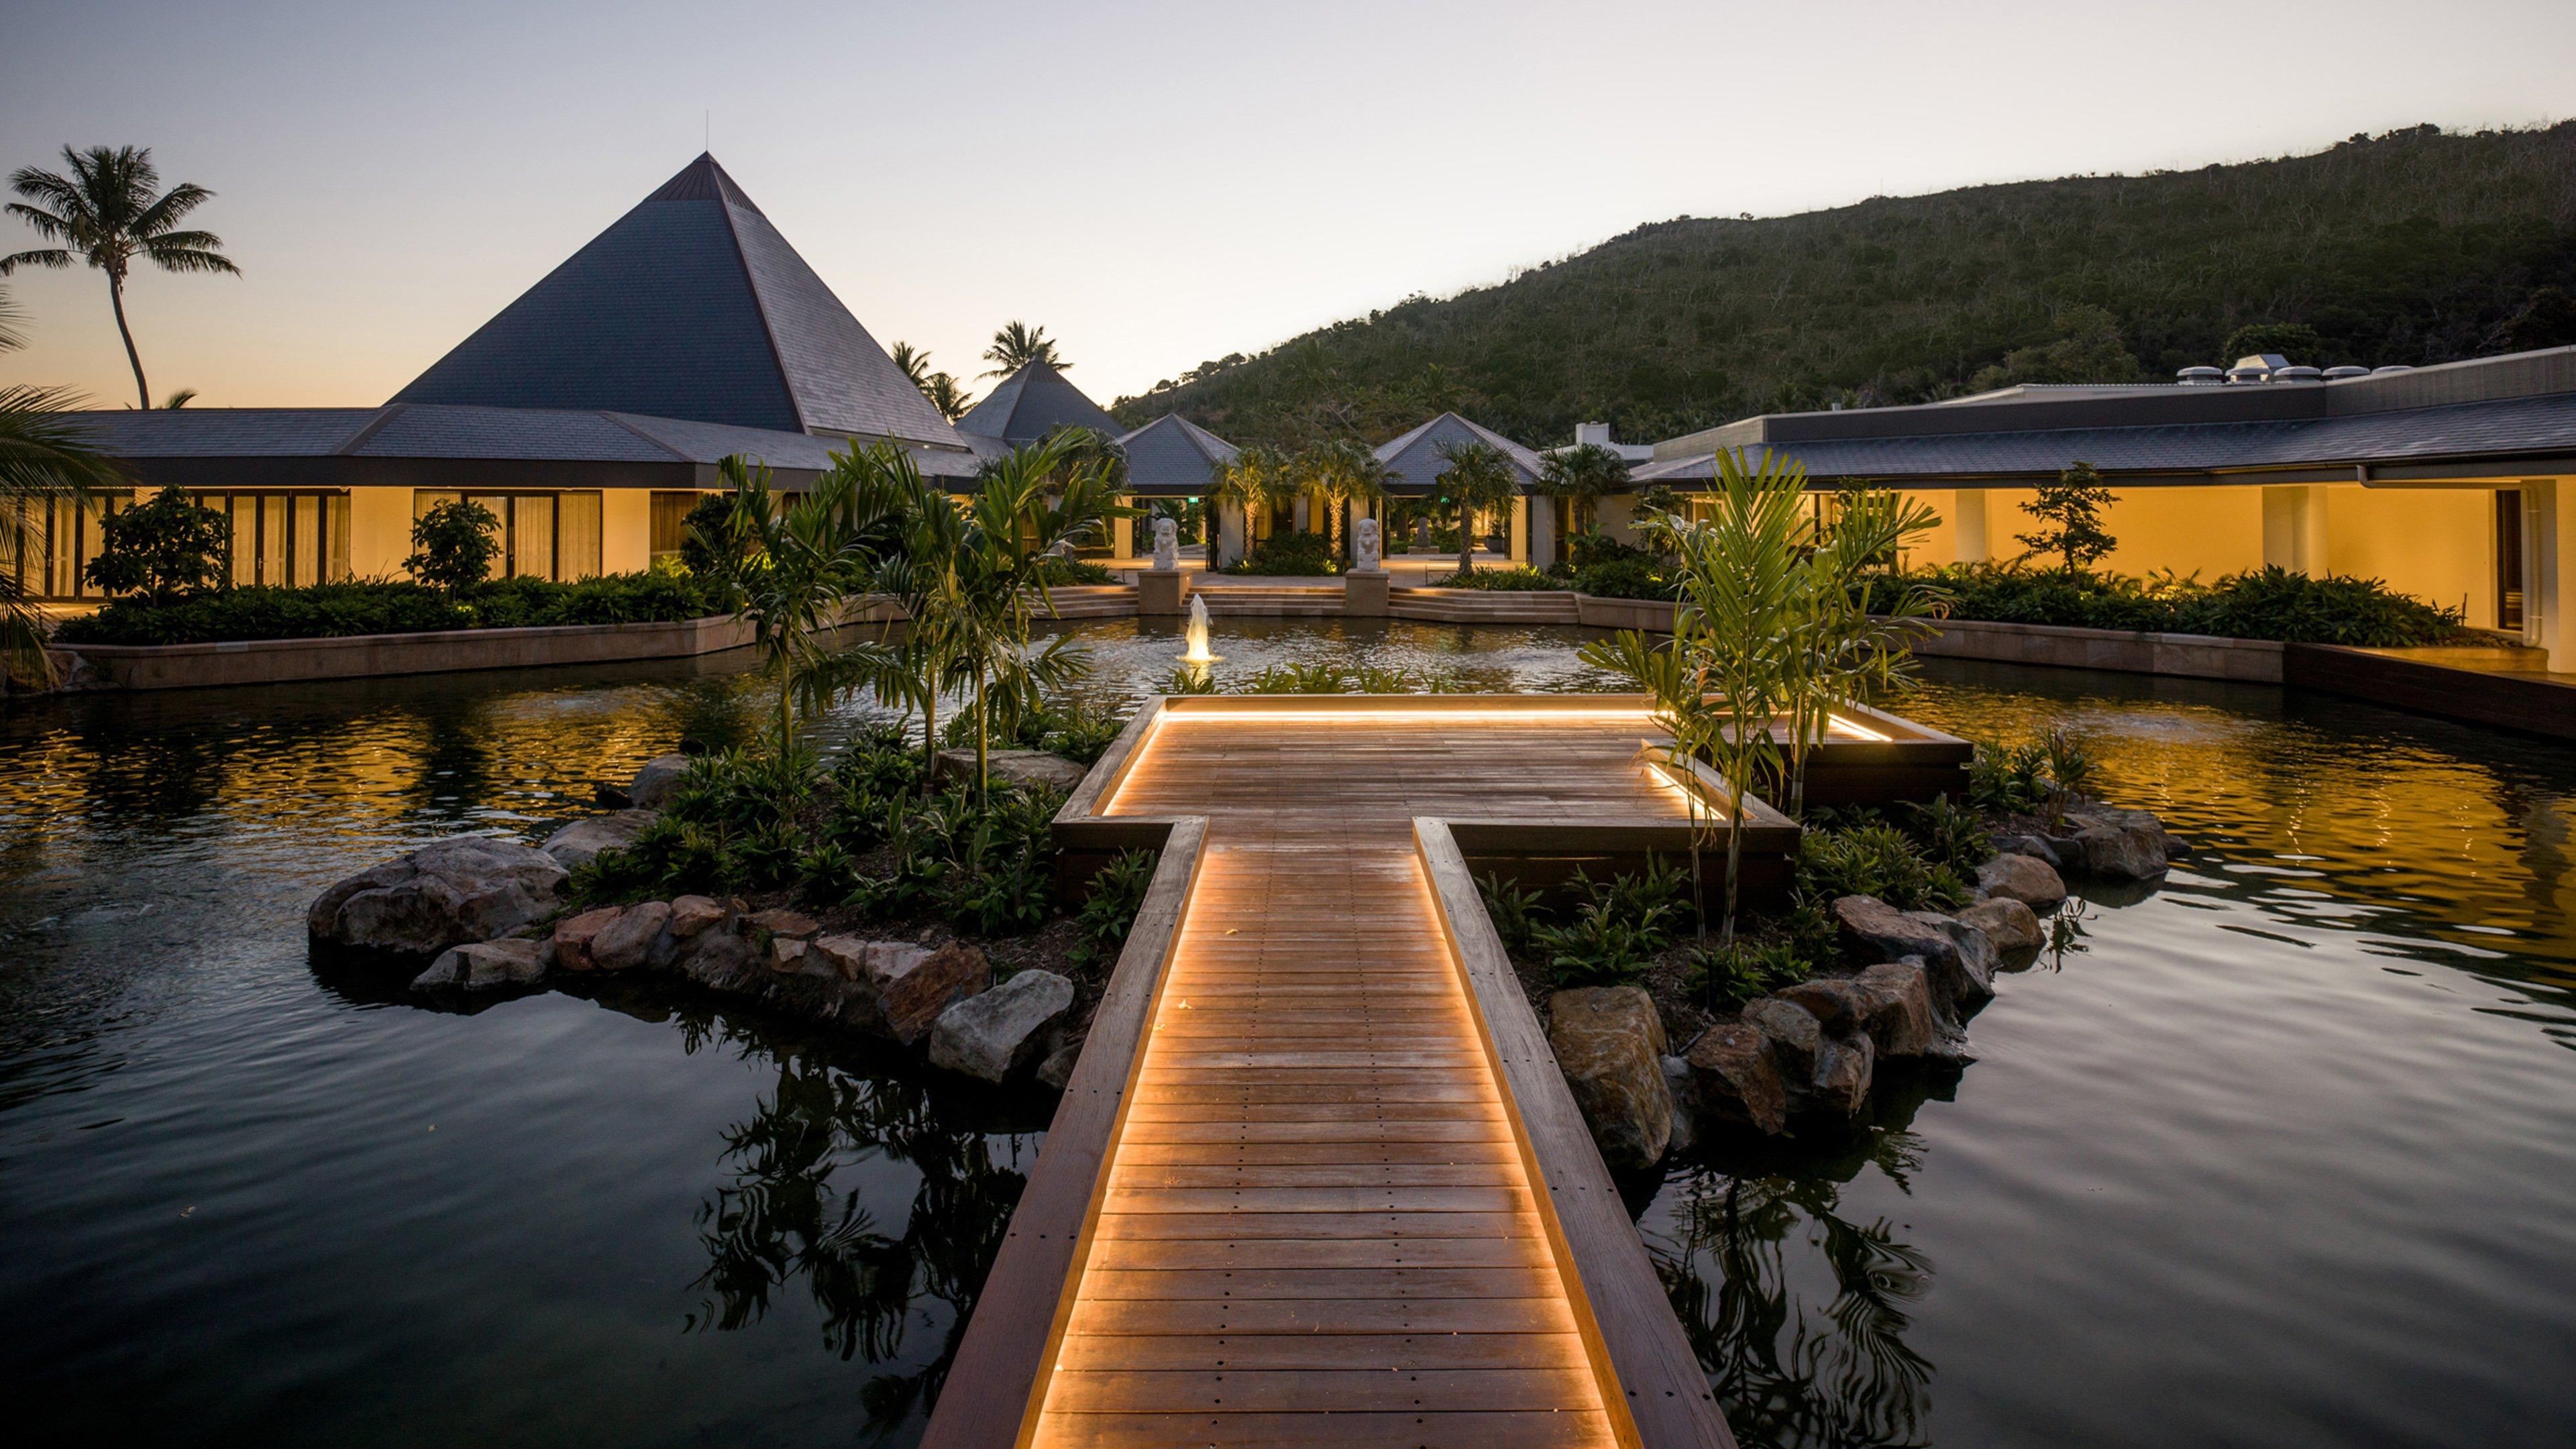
(1195, 633)
(1345, 717)
(1837, 725)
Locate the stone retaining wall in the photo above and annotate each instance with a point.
(2191, 656)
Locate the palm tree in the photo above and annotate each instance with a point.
(794, 564)
(43, 457)
(914, 365)
(1341, 473)
(1583, 474)
(110, 212)
(1258, 477)
(1478, 477)
(1017, 345)
(946, 395)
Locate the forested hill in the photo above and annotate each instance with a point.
(2410, 247)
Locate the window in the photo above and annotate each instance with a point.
(671, 521)
(542, 535)
(276, 537)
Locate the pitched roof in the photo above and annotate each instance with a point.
(2423, 442)
(1413, 461)
(435, 432)
(690, 306)
(1172, 456)
(1031, 403)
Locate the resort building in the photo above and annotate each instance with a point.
(589, 415)
(1415, 461)
(1174, 458)
(2455, 483)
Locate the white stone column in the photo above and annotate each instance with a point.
(2549, 516)
(1230, 536)
(1969, 543)
(1520, 529)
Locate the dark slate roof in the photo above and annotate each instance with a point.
(689, 306)
(1031, 403)
(2539, 426)
(1174, 457)
(1413, 461)
(438, 431)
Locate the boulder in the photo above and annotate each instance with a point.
(2024, 878)
(2119, 844)
(720, 959)
(1796, 1037)
(692, 914)
(795, 925)
(654, 783)
(1840, 1086)
(2011, 925)
(447, 893)
(1960, 957)
(634, 939)
(1736, 1079)
(1057, 1070)
(1899, 1015)
(996, 1034)
(2030, 845)
(579, 843)
(914, 985)
(1035, 769)
(484, 965)
(847, 956)
(1610, 1045)
(573, 935)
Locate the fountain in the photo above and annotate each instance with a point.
(1196, 634)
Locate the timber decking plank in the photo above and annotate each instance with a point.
(1590, 1430)
(1379, 1352)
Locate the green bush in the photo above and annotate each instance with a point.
(1513, 580)
(1874, 859)
(1624, 578)
(453, 545)
(384, 606)
(1117, 892)
(2268, 603)
(1948, 835)
(1290, 554)
(165, 549)
(1061, 571)
(1725, 977)
(1616, 927)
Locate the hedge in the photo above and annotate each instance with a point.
(372, 606)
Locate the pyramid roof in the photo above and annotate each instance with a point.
(1031, 403)
(1172, 456)
(690, 306)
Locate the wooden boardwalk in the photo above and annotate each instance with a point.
(1318, 1218)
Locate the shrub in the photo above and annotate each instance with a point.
(1624, 578)
(1949, 835)
(1117, 892)
(1617, 927)
(1725, 977)
(1297, 554)
(2268, 603)
(2013, 780)
(380, 606)
(1515, 912)
(453, 545)
(163, 549)
(1296, 678)
(1059, 570)
(1874, 860)
(1513, 580)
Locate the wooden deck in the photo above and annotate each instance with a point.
(1321, 1212)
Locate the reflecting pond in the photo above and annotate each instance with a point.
(2279, 1153)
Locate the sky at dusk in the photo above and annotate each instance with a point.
(1156, 184)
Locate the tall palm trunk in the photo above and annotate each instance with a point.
(1466, 544)
(983, 784)
(116, 300)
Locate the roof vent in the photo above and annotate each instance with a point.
(2200, 376)
(2243, 372)
(2295, 374)
(2392, 367)
(2338, 374)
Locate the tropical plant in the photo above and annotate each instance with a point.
(1854, 623)
(914, 365)
(1583, 475)
(44, 458)
(1338, 474)
(2071, 508)
(110, 213)
(2070, 769)
(1949, 834)
(948, 395)
(1109, 906)
(1017, 345)
(163, 549)
(1875, 859)
(1256, 480)
(1514, 911)
(453, 545)
(803, 561)
(1477, 477)
(709, 542)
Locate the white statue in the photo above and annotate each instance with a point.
(1167, 545)
(1364, 544)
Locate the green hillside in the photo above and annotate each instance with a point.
(2411, 247)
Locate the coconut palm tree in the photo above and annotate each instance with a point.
(1017, 345)
(110, 213)
(1341, 473)
(1258, 477)
(1582, 475)
(947, 395)
(914, 365)
(43, 457)
(1478, 477)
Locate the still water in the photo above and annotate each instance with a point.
(2281, 1154)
